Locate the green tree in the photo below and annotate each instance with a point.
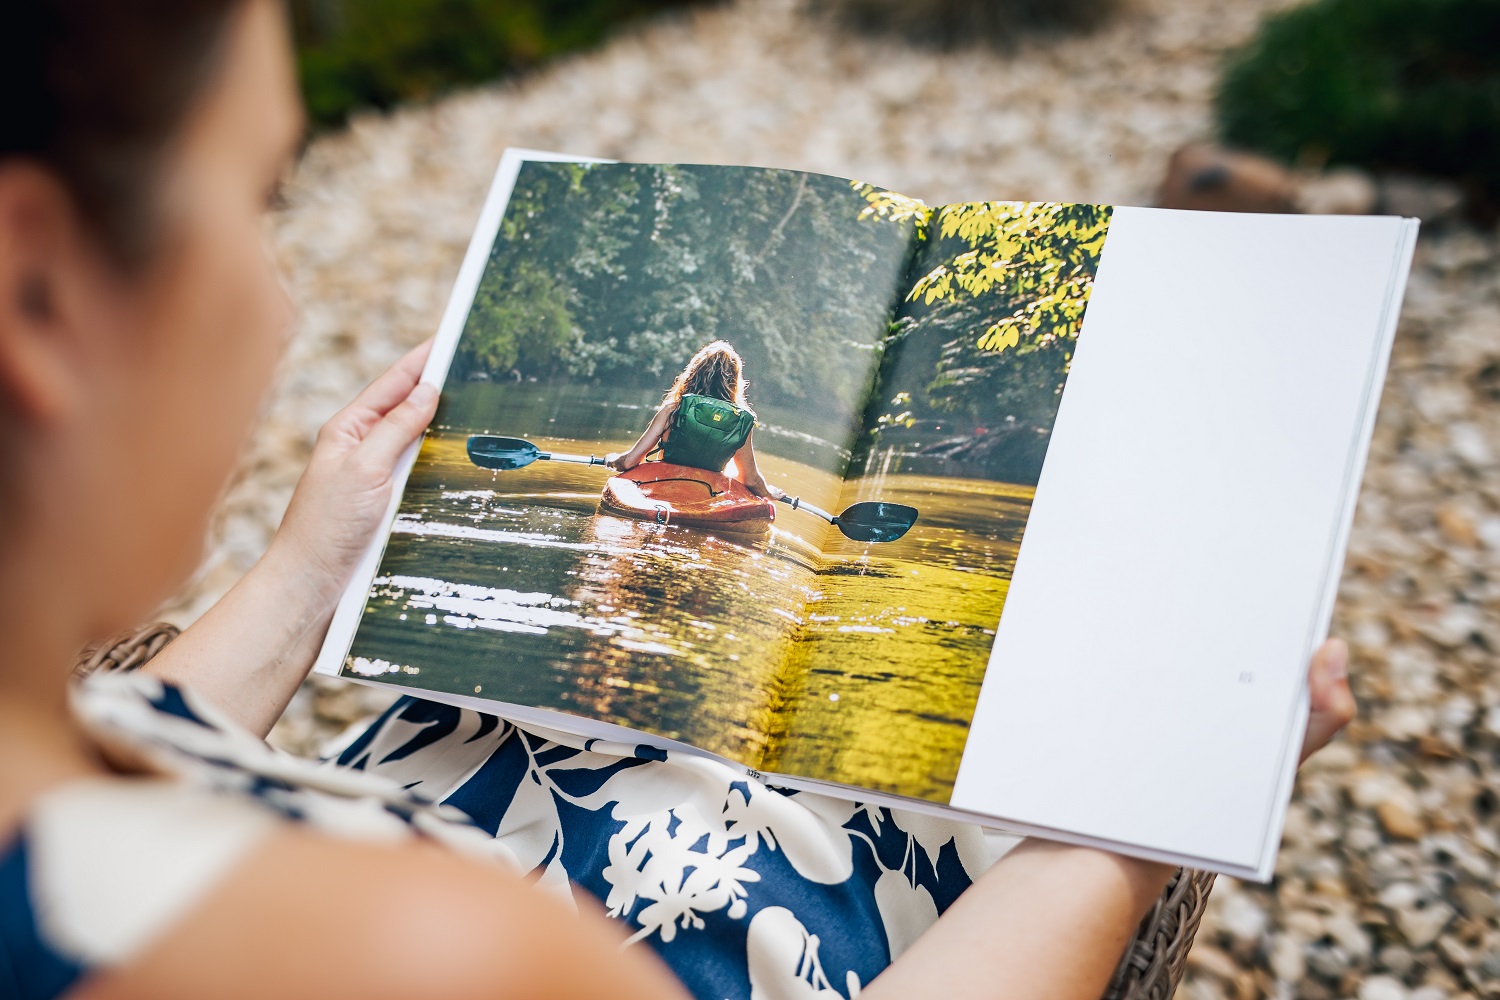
(1404, 85)
(355, 53)
(643, 264)
(994, 302)
(529, 326)
(1039, 257)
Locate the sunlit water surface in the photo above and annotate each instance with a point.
(861, 666)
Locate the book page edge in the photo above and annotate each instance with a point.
(588, 729)
(345, 623)
(1380, 364)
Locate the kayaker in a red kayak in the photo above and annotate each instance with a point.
(704, 421)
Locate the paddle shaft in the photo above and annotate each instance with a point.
(548, 456)
(797, 503)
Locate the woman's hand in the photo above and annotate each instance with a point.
(649, 439)
(346, 489)
(749, 471)
(1332, 702)
(248, 653)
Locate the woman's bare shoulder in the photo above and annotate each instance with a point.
(310, 916)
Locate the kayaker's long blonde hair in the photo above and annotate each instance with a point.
(716, 370)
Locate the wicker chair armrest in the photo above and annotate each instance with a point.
(126, 651)
(1153, 964)
(1150, 969)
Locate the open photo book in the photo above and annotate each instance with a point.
(1024, 513)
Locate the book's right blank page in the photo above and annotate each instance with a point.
(1146, 675)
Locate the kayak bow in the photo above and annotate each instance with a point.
(663, 493)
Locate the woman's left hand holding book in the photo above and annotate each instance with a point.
(250, 651)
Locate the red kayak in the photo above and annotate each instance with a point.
(695, 498)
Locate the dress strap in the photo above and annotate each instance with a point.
(101, 867)
(112, 862)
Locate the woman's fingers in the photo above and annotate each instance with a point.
(392, 387)
(402, 425)
(1332, 701)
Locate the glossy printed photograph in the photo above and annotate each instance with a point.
(740, 458)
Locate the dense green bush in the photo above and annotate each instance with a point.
(1405, 85)
(959, 22)
(378, 52)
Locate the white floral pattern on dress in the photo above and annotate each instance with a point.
(746, 890)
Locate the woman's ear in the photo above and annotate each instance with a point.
(46, 264)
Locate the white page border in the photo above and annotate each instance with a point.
(1057, 698)
(588, 729)
(1358, 457)
(351, 605)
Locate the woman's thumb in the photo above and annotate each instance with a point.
(400, 427)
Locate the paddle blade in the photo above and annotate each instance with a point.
(501, 453)
(876, 521)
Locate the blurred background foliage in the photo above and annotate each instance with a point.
(377, 53)
(1386, 85)
(964, 22)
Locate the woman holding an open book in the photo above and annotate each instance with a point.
(150, 844)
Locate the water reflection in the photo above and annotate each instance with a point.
(515, 587)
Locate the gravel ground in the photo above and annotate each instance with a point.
(1386, 883)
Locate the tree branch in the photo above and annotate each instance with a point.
(776, 232)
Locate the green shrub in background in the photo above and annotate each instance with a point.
(355, 53)
(1397, 85)
(951, 23)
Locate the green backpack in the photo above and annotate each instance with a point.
(706, 432)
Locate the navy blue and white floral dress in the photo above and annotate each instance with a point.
(746, 891)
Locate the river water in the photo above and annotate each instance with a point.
(805, 653)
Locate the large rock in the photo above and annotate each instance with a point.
(1213, 179)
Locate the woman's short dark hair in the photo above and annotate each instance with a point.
(95, 90)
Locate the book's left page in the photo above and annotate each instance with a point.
(521, 571)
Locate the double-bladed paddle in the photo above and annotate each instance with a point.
(505, 454)
(866, 521)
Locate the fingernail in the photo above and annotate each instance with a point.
(1336, 665)
(422, 395)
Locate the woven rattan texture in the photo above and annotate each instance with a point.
(126, 651)
(1149, 970)
(1153, 965)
